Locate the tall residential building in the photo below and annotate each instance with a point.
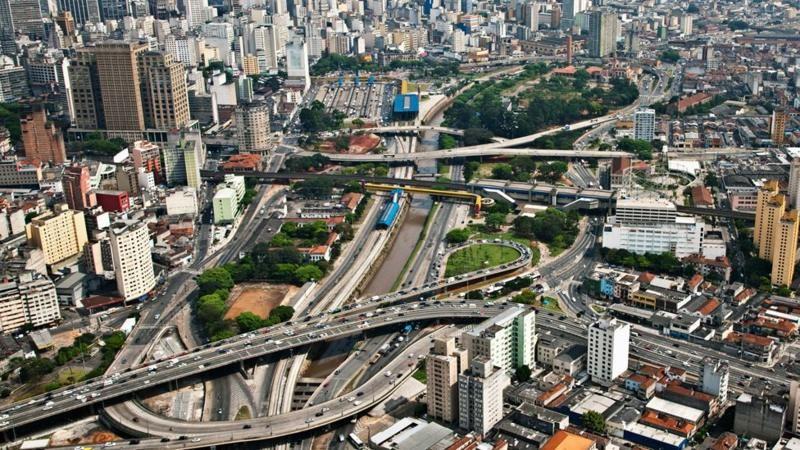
(184, 156)
(133, 262)
(776, 233)
(508, 339)
(252, 128)
(443, 366)
(644, 124)
(83, 11)
(653, 226)
(569, 9)
(41, 139)
(165, 100)
(265, 44)
(608, 344)
(793, 409)
(297, 64)
(84, 92)
(196, 11)
(77, 188)
(60, 234)
(480, 396)
(120, 84)
(778, 126)
(147, 156)
(794, 182)
(31, 299)
(603, 32)
(716, 374)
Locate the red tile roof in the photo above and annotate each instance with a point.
(709, 306)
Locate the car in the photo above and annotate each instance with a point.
(359, 394)
(196, 440)
(183, 438)
(318, 414)
(247, 426)
(109, 444)
(133, 441)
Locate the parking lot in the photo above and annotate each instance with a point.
(368, 101)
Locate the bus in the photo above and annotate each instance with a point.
(355, 440)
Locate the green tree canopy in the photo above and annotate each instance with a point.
(213, 280)
(594, 421)
(457, 235)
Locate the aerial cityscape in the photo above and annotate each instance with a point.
(400, 224)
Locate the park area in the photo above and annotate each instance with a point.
(258, 298)
(476, 257)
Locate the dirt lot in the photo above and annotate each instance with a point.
(86, 432)
(359, 143)
(258, 298)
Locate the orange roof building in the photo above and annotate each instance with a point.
(563, 440)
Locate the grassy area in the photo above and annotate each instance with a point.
(420, 241)
(67, 376)
(243, 414)
(420, 375)
(598, 309)
(549, 303)
(476, 257)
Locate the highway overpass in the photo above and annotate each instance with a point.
(469, 152)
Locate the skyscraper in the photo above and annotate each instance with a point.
(569, 9)
(480, 396)
(84, 92)
(297, 64)
(794, 182)
(165, 101)
(83, 11)
(776, 232)
(608, 344)
(118, 70)
(265, 42)
(26, 16)
(603, 32)
(114, 9)
(443, 366)
(252, 128)
(133, 263)
(195, 12)
(644, 124)
(8, 45)
(184, 156)
(778, 126)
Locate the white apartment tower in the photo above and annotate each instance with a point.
(252, 128)
(297, 63)
(508, 339)
(133, 262)
(443, 366)
(608, 344)
(716, 374)
(31, 299)
(794, 183)
(480, 396)
(644, 124)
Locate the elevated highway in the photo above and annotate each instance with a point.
(501, 149)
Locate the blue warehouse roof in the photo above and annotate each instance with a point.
(406, 103)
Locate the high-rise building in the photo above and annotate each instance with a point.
(13, 82)
(184, 156)
(60, 234)
(297, 64)
(759, 417)
(644, 124)
(147, 156)
(603, 32)
(776, 233)
(77, 188)
(794, 182)
(793, 409)
(165, 101)
(608, 344)
(133, 262)
(114, 9)
(83, 11)
(30, 299)
(84, 91)
(569, 9)
(8, 46)
(120, 84)
(252, 128)
(265, 43)
(480, 396)
(443, 366)
(41, 139)
(26, 16)
(196, 11)
(778, 126)
(716, 374)
(508, 339)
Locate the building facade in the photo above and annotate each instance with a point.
(443, 367)
(508, 339)
(644, 124)
(480, 396)
(608, 346)
(133, 262)
(60, 234)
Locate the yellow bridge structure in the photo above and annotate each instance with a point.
(474, 199)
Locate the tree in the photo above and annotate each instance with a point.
(495, 220)
(670, 56)
(210, 308)
(594, 421)
(213, 280)
(457, 235)
(307, 272)
(470, 168)
(526, 297)
(642, 148)
(523, 373)
(446, 141)
(711, 180)
(477, 136)
(316, 188)
(502, 171)
(282, 313)
(247, 321)
(736, 25)
(553, 171)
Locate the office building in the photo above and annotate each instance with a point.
(184, 156)
(759, 418)
(608, 344)
(26, 17)
(776, 233)
(196, 12)
(778, 126)
(114, 9)
(644, 124)
(60, 234)
(13, 82)
(84, 92)
(480, 396)
(603, 32)
(653, 226)
(120, 84)
(252, 128)
(133, 262)
(83, 11)
(165, 100)
(77, 188)
(265, 47)
(794, 182)
(443, 366)
(30, 299)
(297, 64)
(508, 339)
(569, 9)
(41, 139)
(716, 374)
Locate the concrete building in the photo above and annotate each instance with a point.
(480, 396)
(252, 128)
(716, 374)
(227, 200)
(182, 202)
(603, 32)
(644, 124)
(443, 366)
(794, 183)
(165, 100)
(759, 418)
(184, 156)
(778, 126)
(793, 410)
(60, 234)
(77, 189)
(119, 79)
(653, 226)
(133, 262)
(508, 339)
(608, 344)
(297, 64)
(41, 139)
(776, 233)
(147, 156)
(30, 299)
